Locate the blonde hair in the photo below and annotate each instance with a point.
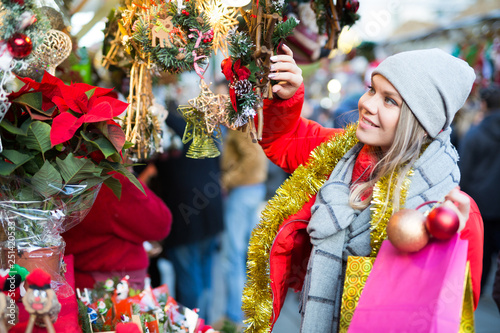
(409, 138)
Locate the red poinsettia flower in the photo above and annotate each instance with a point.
(70, 128)
(90, 104)
(75, 104)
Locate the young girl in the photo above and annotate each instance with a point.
(340, 188)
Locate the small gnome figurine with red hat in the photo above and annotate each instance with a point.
(40, 301)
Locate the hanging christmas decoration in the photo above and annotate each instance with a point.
(153, 36)
(174, 36)
(19, 45)
(221, 19)
(55, 48)
(203, 116)
(248, 66)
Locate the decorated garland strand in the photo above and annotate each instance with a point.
(382, 208)
(302, 185)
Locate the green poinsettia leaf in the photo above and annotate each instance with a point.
(26, 193)
(47, 181)
(9, 127)
(33, 100)
(115, 186)
(120, 168)
(127, 145)
(31, 167)
(115, 158)
(38, 137)
(90, 182)
(74, 170)
(101, 143)
(17, 158)
(7, 168)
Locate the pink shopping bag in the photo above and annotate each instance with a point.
(414, 292)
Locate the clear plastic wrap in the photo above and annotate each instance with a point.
(32, 225)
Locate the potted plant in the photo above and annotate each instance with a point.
(59, 143)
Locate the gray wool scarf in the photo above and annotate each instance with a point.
(338, 231)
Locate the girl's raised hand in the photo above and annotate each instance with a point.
(285, 70)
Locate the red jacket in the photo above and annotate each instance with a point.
(288, 140)
(110, 238)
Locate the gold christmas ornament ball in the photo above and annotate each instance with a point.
(406, 230)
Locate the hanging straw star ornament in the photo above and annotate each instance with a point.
(222, 19)
(203, 116)
(211, 106)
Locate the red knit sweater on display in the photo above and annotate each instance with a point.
(110, 239)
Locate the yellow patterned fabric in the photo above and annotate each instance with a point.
(357, 271)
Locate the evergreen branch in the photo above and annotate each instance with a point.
(283, 29)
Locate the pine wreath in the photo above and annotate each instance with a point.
(176, 39)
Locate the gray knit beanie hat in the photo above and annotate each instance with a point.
(434, 84)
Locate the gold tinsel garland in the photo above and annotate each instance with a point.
(382, 208)
(290, 197)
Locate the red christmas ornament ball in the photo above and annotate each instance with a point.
(442, 223)
(19, 45)
(406, 230)
(19, 2)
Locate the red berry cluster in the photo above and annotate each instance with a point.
(209, 36)
(185, 12)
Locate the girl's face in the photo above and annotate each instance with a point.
(379, 110)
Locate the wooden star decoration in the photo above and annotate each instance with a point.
(222, 19)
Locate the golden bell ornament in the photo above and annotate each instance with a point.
(406, 230)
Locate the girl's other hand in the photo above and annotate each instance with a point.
(460, 203)
(285, 70)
